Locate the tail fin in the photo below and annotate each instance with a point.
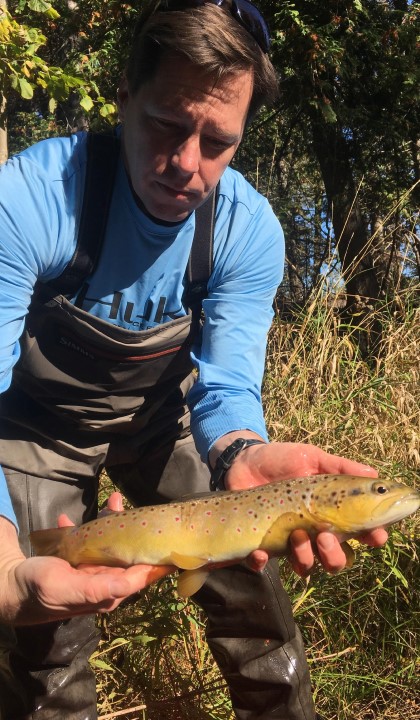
(48, 542)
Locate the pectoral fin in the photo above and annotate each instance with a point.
(349, 553)
(187, 562)
(190, 581)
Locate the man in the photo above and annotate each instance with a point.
(104, 372)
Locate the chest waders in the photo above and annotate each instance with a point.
(87, 395)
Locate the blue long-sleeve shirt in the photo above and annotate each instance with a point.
(139, 281)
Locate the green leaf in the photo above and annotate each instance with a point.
(39, 5)
(52, 105)
(26, 90)
(143, 639)
(52, 13)
(107, 109)
(86, 103)
(101, 664)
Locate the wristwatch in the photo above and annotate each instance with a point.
(225, 460)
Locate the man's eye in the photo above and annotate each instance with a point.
(164, 124)
(217, 144)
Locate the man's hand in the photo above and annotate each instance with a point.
(43, 589)
(275, 462)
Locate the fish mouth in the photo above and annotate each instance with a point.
(390, 512)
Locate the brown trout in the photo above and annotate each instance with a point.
(226, 526)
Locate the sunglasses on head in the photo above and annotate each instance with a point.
(243, 11)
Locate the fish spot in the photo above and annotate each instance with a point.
(100, 532)
(238, 530)
(281, 501)
(122, 526)
(86, 535)
(209, 513)
(144, 523)
(191, 527)
(177, 519)
(159, 532)
(222, 519)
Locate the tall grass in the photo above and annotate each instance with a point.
(361, 627)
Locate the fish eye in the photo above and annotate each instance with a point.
(380, 488)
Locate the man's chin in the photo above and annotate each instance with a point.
(166, 205)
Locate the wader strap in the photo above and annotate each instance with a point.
(102, 160)
(200, 263)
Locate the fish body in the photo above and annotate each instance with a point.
(227, 526)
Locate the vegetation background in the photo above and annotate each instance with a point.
(339, 159)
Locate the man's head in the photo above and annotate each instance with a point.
(218, 37)
(193, 81)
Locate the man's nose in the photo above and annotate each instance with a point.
(186, 157)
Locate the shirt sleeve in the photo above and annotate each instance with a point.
(6, 509)
(33, 217)
(238, 313)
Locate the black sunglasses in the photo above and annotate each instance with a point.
(243, 11)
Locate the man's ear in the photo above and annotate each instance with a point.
(122, 97)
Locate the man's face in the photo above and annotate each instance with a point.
(180, 131)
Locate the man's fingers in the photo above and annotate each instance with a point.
(302, 556)
(374, 538)
(330, 552)
(115, 502)
(64, 521)
(257, 560)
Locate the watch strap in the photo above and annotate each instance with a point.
(226, 458)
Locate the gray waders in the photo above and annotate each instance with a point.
(87, 395)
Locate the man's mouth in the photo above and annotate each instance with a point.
(177, 193)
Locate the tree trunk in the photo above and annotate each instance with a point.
(352, 237)
(350, 228)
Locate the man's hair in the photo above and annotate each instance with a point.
(209, 37)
